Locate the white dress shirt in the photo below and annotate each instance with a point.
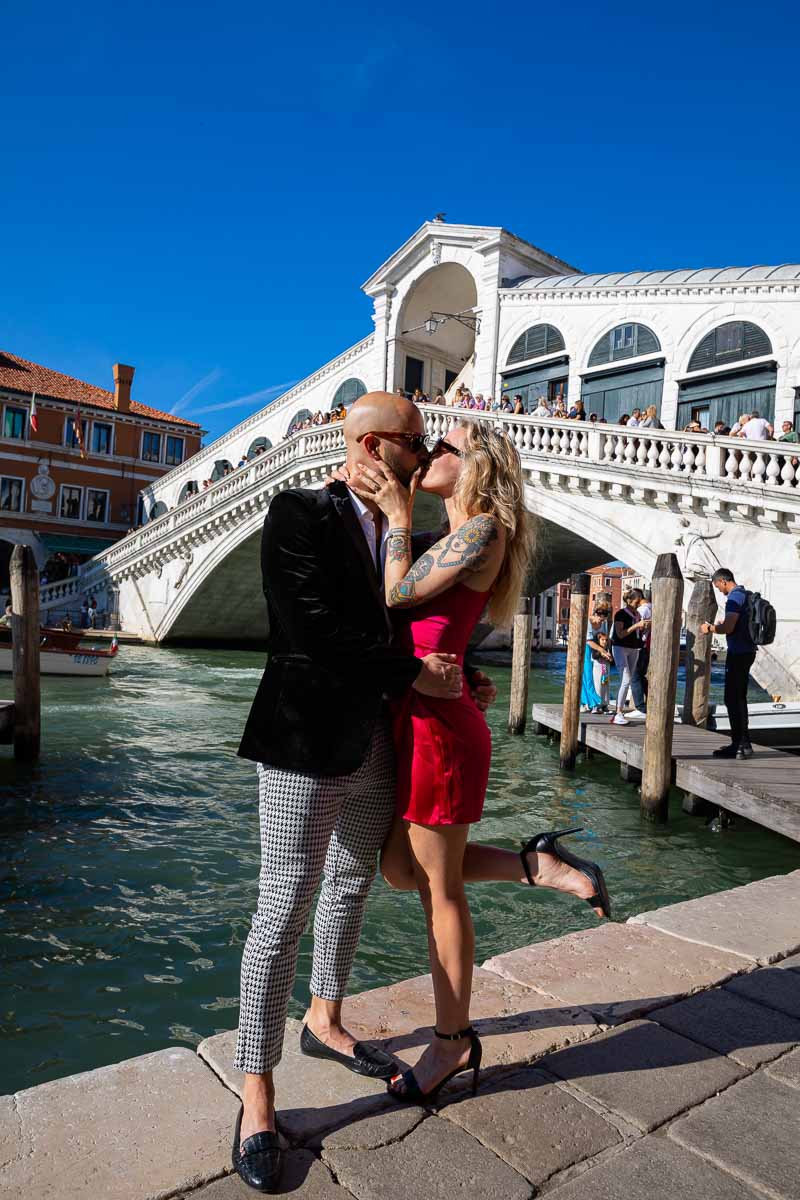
(368, 529)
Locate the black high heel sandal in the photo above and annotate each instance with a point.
(413, 1094)
(546, 843)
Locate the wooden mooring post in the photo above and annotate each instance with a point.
(576, 644)
(25, 653)
(665, 650)
(702, 607)
(520, 666)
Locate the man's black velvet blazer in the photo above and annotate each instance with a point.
(331, 660)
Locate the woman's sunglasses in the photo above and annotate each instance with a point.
(415, 441)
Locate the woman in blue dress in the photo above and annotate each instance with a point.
(591, 700)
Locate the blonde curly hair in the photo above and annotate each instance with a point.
(490, 481)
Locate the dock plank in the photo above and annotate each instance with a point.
(765, 788)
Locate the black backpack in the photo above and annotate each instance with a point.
(761, 619)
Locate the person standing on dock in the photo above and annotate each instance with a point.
(738, 662)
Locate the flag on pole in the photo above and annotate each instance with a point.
(77, 425)
(33, 417)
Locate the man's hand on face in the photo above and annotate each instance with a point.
(441, 676)
(482, 690)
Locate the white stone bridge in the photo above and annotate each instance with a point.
(602, 492)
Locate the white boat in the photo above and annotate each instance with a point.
(61, 654)
(771, 724)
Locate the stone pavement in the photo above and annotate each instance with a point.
(660, 1057)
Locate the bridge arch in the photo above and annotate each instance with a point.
(348, 392)
(190, 488)
(259, 445)
(302, 414)
(429, 351)
(221, 466)
(159, 509)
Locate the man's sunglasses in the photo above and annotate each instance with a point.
(415, 441)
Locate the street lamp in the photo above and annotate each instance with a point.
(432, 323)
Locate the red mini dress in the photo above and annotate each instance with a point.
(443, 747)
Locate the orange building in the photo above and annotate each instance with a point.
(73, 459)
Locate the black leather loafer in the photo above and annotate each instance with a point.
(366, 1059)
(258, 1161)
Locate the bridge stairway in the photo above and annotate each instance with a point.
(765, 788)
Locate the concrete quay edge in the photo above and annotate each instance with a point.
(160, 1124)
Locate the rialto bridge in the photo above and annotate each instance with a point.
(478, 304)
(602, 492)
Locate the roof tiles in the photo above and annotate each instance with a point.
(19, 375)
(785, 273)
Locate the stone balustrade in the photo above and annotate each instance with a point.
(758, 474)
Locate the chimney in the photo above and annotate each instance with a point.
(123, 378)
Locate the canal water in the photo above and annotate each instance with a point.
(130, 860)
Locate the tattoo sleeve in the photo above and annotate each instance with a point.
(468, 546)
(405, 591)
(398, 545)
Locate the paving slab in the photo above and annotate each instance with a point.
(748, 1033)
(787, 1069)
(644, 1072)
(143, 1128)
(313, 1096)
(532, 1124)
(515, 1023)
(303, 1175)
(760, 921)
(777, 986)
(752, 1132)
(435, 1162)
(617, 971)
(653, 1167)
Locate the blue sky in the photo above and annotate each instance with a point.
(200, 189)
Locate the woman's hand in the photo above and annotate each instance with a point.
(385, 489)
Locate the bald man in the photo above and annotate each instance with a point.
(319, 732)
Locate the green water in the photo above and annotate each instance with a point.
(131, 859)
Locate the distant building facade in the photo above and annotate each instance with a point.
(74, 459)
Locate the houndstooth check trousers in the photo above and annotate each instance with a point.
(312, 827)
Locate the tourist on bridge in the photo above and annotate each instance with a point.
(635, 419)
(650, 419)
(738, 661)
(627, 644)
(788, 433)
(542, 408)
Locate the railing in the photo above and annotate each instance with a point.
(751, 469)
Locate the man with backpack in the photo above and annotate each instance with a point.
(749, 622)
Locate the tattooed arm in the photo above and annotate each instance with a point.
(474, 549)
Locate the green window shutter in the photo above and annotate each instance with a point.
(730, 342)
(348, 392)
(536, 342)
(624, 341)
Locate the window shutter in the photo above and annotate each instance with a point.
(754, 344)
(535, 342)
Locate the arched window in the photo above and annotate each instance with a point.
(297, 420)
(221, 467)
(625, 341)
(535, 343)
(728, 343)
(259, 446)
(159, 509)
(189, 489)
(348, 392)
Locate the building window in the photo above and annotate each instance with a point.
(11, 493)
(174, 454)
(730, 342)
(71, 433)
(348, 392)
(564, 614)
(96, 505)
(535, 343)
(151, 447)
(70, 506)
(626, 341)
(607, 581)
(101, 438)
(14, 422)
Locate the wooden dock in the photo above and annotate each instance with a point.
(6, 722)
(764, 789)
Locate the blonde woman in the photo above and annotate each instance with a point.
(443, 748)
